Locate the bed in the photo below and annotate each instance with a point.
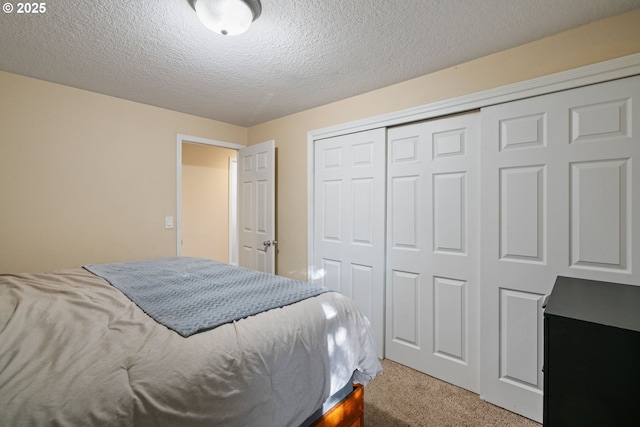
(75, 350)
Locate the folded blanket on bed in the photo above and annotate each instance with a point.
(191, 295)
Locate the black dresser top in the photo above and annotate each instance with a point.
(606, 303)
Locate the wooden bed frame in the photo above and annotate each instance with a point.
(349, 412)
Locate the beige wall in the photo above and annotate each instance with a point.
(205, 201)
(597, 42)
(87, 178)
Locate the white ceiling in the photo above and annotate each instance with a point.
(299, 54)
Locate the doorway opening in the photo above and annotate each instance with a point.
(206, 212)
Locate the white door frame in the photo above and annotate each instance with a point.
(590, 74)
(180, 139)
(233, 211)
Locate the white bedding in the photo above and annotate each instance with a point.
(76, 351)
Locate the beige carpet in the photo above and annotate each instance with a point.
(402, 397)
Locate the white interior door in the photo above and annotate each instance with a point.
(432, 248)
(559, 195)
(349, 209)
(256, 205)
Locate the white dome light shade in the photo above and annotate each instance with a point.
(226, 17)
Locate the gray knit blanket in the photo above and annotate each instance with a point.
(191, 295)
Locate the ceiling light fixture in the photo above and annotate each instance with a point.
(227, 17)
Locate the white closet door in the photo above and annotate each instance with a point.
(349, 209)
(559, 195)
(432, 248)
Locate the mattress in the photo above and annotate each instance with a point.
(74, 350)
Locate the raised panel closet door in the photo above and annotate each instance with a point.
(558, 192)
(432, 248)
(349, 208)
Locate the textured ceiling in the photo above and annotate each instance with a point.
(299, 54)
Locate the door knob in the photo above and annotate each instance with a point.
(268, 243)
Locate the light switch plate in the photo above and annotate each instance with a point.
(168, 222)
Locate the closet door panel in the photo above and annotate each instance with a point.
(449, 210)
(432, 248)
(593, 185)
(558, 189)
(404, 292)
(449, 320)
(349, 211)
(522, 214)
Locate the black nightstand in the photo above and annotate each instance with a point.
(592, 354)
